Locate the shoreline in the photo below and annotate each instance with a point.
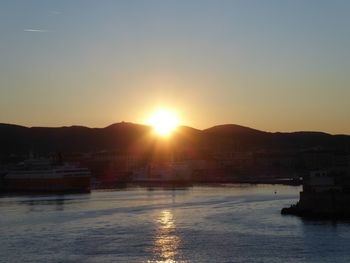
(146, 184)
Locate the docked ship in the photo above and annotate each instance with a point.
(45, 175)
(172, 172)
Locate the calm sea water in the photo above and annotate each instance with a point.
(200, 224)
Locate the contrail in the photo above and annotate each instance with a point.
(36, 30)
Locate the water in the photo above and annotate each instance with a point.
(199, 224)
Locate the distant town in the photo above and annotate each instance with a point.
(128, 153)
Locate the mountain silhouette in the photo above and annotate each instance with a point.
(15, 139)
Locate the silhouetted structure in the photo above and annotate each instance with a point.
(226, 153)
(325, 194)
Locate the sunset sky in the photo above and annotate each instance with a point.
(271, 65)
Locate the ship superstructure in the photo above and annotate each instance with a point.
(45, 175)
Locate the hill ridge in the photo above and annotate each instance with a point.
(123, 135)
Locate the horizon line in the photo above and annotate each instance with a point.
(182, 125)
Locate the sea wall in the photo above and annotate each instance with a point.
(325, 203)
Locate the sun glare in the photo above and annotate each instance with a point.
(164, 122)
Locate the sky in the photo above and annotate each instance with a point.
(273, 65)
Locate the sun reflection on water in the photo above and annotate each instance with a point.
(166, 243)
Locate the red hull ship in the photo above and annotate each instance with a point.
(41, 175)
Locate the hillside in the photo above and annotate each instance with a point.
(124, 136)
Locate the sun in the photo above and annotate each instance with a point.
(164, 122)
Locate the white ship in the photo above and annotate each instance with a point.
(172, 171)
